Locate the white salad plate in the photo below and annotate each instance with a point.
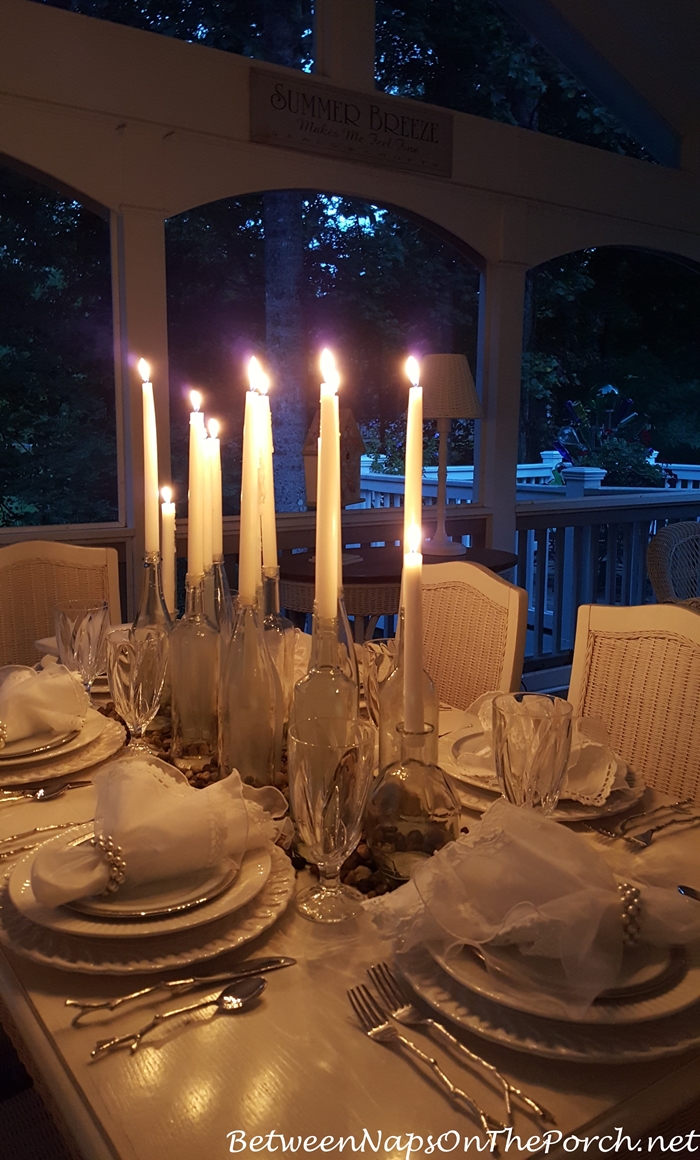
(94, 724)
(551, 1038)
(108, 737)
(221, 893)
(38, 743)
(674, 972)
(119, 956)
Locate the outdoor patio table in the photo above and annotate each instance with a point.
(297, 1065)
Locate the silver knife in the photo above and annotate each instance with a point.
(181, 986)
(688, 890)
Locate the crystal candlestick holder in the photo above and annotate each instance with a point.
(279, 637)
(194, 656)
(250, 705)
(412, 811)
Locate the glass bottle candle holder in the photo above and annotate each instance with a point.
(391, 709)
(153, 611)
(194, 666)
(279, 637)
(250, 710)
(327, 690)
(223, 602)
(413, 810)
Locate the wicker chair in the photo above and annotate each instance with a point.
(673, 564)
(35, 576)
(474, 626)
(639, 670)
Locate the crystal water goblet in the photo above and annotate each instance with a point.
(531, 746)
(136, 662)
(81, 628)
(330, 764)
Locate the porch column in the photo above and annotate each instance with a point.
(344, 42)
(140, 331)
(499, 357)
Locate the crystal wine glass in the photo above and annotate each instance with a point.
(531, 745)
(136, 664)
(80, 636)
(330, 771)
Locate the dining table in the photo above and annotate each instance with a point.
(294, 1072)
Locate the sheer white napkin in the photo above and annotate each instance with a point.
(593, 770)
(50, 701)
(164, 829)
(523, 881)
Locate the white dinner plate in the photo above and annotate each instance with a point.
(249, 881)
(675, 972)
(94, 725)
(478, 800)
(164, 952)
(551, 1038)
(107, 741)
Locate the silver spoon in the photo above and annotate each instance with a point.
(45, 793)
(233, 999)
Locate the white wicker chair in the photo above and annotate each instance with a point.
(673, 563)
(474, 626)
(35, 576)
(639, 670)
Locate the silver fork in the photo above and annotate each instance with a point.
(403, 1011)
(376, 1025)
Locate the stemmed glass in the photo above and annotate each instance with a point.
(80, 637)
(330, 770)
(531, 746)
(136, 663)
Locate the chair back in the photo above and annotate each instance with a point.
(638, 669)
(474, 626)
(673, 562)
(35, 576)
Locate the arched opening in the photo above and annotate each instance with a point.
(58, 463)
(282, 274)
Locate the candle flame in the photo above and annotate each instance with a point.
(195, 400)
(144, 370)
(413, 538)
(213, 426)
(328, 370)
(167, 494)
(413, 370)
(256, 376)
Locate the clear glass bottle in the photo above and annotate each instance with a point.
(391, 709)
(327, 690)
(223, 603)
(412, 810)
(153, 610)
(194, 655)
(279, 637)
(250, 717)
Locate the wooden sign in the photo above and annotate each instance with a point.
(311, 116)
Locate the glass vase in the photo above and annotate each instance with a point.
(391, 709)
(153, 611)
(223, 602)
(250, 705)
(412, 811)
(279, 637)
(194, 666)
(327, 690)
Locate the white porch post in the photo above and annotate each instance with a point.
(344, 42)
(499, 357)
(140, 331)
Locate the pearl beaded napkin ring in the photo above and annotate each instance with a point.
(631, 907)
(117, 866)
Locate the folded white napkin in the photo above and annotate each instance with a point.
(164, 828)
(523, 881)
(50, 701)
(593, 770)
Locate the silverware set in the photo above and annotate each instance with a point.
(680, 813)
(15, 844)
(42, 793)
(380, 1010)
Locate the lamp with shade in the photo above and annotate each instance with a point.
(448, 393)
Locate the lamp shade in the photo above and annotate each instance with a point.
(448, 388)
